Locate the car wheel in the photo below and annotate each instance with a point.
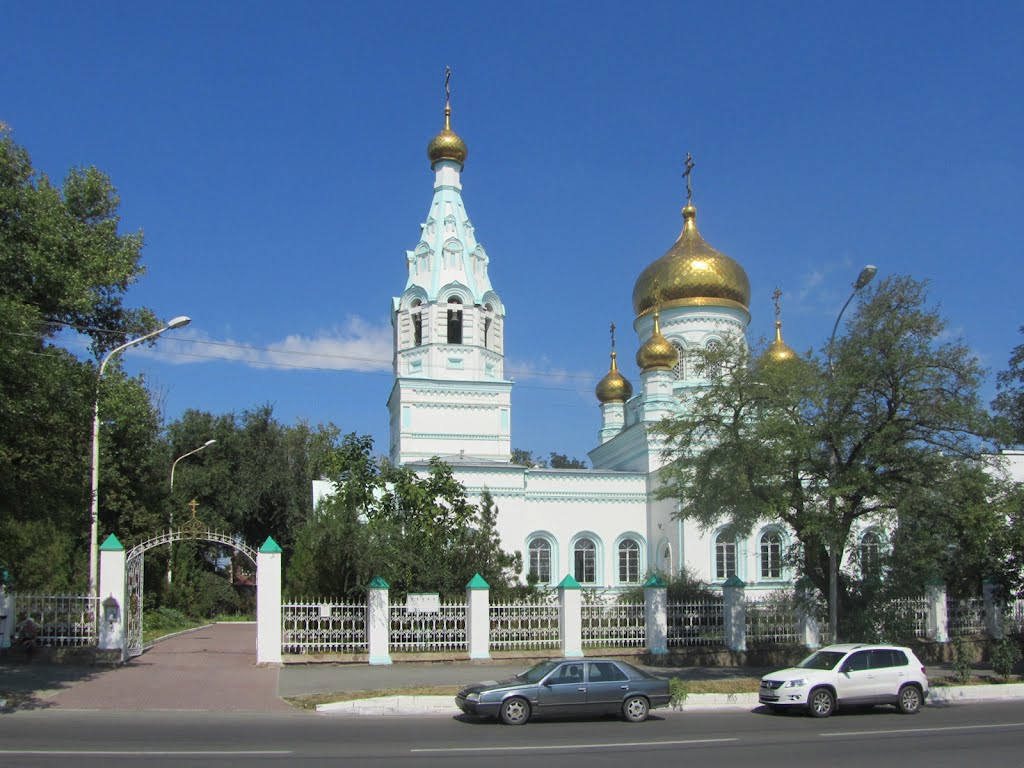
(515, 711)
(635, 709)
(821, 702)
(909, 700)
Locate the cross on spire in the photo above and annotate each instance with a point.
(775, 298)
(613, 336)
(688, 165)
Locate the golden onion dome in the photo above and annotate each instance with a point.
(692, 273)
(778, 351)
(657, 353)
(614, 387)
(447, 145)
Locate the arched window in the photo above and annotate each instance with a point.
(870, 552)
(725, 554)
(584, 557)
(771, 555)
(679, 369)
(454, 320)
(540, 560)
(713, 367)
(417, 322)
(629, 562)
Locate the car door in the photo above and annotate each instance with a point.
(564, 691)
(607, 686)
(855, 681)
(890, 670)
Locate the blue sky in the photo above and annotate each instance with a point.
(275, 156)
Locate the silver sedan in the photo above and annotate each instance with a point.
(561, 687)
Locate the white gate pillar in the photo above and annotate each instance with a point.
(807, 629)
(378, 621)
(113, 612)
(734, 592)
(938, 616)
(478, 617)
(656, 615)
(570, 617)
(7, 615)
(268, 603)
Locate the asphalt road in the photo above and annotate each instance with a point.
(939, 737)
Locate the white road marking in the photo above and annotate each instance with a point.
(147, 752)
(577, 746)
(925, 730)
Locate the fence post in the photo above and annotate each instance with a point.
(478, 617)
(993, 610)
(112, 593)
(268, 603)
(6, 610)
(378, 621)
(807, 619)
(734, 592)
(938, 616)
(656, 615)
(570, 617)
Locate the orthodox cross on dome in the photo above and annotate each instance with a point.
(775, 298)
(447, 87)
(613, 336)
(686, 175)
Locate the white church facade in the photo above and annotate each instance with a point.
(451, 399)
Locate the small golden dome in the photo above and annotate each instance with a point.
(692, 273)
(614, 387)
(657, 353)
(447, 145)
(779, 351)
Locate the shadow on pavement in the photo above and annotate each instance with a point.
(28, 686)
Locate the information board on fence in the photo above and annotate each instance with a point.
(423, 602)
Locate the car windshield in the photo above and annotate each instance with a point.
(822, 660)
(537, 673)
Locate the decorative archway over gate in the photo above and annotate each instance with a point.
(133, 570)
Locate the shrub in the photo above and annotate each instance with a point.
(679, 691)
(1005, 657)
(963, 659)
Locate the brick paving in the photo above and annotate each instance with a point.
(213, 668)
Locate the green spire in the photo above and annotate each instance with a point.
(569, 583)
(477, 582)
(270, 546)
(111, 544)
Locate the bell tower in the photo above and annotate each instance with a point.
(450, 398)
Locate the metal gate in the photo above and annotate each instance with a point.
(133, 571)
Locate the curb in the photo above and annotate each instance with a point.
(445, 705)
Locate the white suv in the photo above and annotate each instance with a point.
(849, 674)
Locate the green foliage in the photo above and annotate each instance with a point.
(64, 263)
(555, 460)
(165, 619)
(1009, 402)
(963, 660)
(419, 533)
(824, 449)
(679, 691)
(683, 587)
(1005, 656)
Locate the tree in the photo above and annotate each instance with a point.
(1009, 402)
(824, 448)
(561, 461)
(64, 263)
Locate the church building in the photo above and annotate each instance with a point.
(451, 399)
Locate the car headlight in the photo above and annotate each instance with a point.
(799, 683)
(472, 697)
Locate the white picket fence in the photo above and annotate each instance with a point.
(614, 625)
(323, 627)
(524, 625)
(64, 621)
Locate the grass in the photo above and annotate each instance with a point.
(732, 685)
(942, 682)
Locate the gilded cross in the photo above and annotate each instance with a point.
(193, 505)
(686, 175)
(775, 298)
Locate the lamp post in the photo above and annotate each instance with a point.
(177, 322)
(170, 545)
(866, 276)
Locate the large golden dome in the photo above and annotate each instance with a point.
(657, 353)
(447, 145)
(614, 387)
(692, 273)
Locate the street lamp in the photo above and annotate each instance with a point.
(170, 545)
(177, 322)
(866, 276)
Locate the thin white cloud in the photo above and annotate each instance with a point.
(358, 346)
